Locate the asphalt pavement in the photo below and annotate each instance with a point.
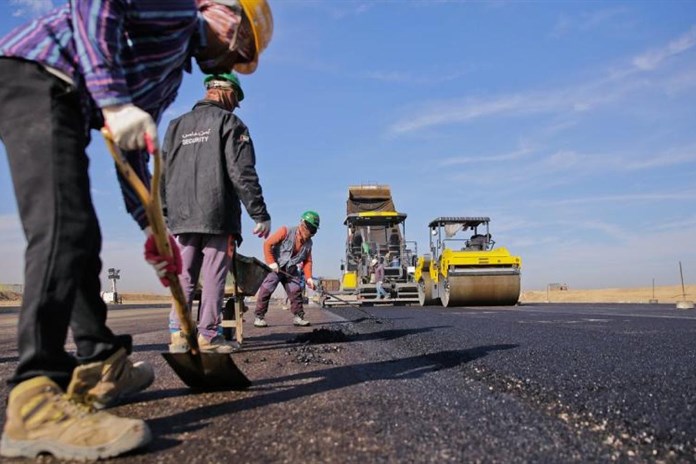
(533, 383)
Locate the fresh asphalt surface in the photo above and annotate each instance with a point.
(533, 383)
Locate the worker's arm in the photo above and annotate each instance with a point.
(167, 145)
(99, 38)
(275, 238)
(99, 35)
(241, 169)
(307, 266)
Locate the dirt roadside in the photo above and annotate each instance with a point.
(14, 299)
(664, 294)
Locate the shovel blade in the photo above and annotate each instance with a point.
(207, 371)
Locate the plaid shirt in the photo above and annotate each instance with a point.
(115, 52)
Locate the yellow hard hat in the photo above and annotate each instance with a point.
(258, 12)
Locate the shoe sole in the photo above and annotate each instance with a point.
(179, 349)
(133, 438)
(218, 350)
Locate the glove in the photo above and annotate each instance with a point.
(129, 126)
(161, 264)
(274, 267)
(310, 284)
(262, 229)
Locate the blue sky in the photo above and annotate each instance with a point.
(571, 124)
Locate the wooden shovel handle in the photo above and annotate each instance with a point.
(153, 209)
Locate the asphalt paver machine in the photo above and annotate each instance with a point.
(375, 231)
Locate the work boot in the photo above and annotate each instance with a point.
(178, 344)
(300, 321)
(260, 322)
(40, 418)
(119, 378)
(217, 344)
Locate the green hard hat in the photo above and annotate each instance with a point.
(311, 217)
(231, 78)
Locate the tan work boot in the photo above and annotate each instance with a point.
(42, 419)
(217, 344)
(120, 377)
(178, 344)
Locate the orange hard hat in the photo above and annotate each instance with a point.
(258, 12)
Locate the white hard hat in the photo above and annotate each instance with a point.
(374, 261)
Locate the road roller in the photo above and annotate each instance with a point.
(464, 268)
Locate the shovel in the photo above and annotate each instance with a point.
(324, 292)
(369, 316)
(201, 371)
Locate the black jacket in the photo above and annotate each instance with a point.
(208, 167)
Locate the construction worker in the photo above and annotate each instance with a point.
(81, 66)
(283, 251)
(378, 269)
(209, 167)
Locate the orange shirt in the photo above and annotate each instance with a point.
(276, 238)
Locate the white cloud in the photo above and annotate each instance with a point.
(413, 78)
(571, 100)
(629, 197)
(588, 21)
(632, 260)
(671, 158)
(338, 10)
(513, 155)
(31, 7)
(563, 160)
(585, 97)
(650, 60)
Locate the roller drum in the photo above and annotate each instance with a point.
(481, 290)
(425, 291)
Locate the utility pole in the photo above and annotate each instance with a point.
(653, 300)
(684, 303)
(113, 276)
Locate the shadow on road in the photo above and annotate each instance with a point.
(324, 380)
(274, 340)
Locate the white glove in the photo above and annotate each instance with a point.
(310, 284)
(128, 125)
(274, 267)
(262, 229)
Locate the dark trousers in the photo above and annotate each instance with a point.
(44, 134)
(293, 289)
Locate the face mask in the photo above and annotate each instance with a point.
(226, 97)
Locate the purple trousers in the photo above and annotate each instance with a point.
(292, 288)
(208, 256)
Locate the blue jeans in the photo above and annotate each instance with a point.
(381, 293)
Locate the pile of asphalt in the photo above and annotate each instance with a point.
(314, 346)
(322, 335)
